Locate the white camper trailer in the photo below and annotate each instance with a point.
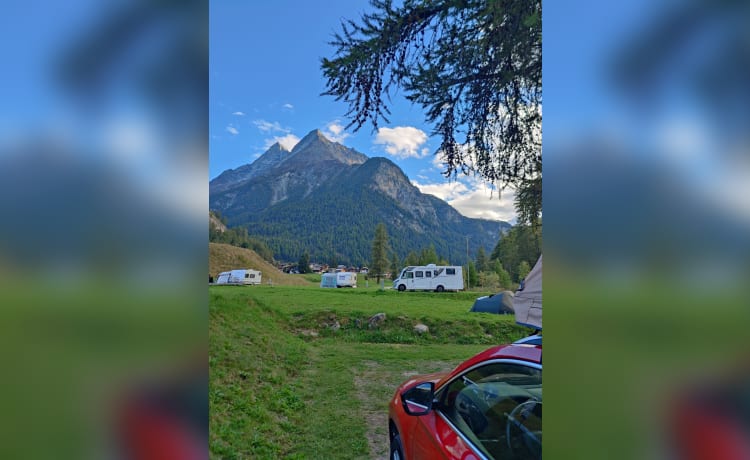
(430, 278)
(338, 280)
(242, 276)
(346, 279)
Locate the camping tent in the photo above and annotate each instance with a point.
(528, 299)
(328, 280)
(500, 303)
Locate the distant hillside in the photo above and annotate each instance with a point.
(215, 222)
(327, 199)
(223, 257)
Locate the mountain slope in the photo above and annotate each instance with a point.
(223, 257)
(327, 199)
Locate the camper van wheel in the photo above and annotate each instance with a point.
(401, 288)
(440, 288)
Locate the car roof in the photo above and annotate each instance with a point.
(520, 352)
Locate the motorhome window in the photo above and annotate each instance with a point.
(247, 275)
(428, 274)
(419, 274)
(251, 276)
(450, 271)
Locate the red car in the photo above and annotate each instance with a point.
(711, 419)
(489, 407)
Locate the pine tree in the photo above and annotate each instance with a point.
(380, 250)
(395, 265)
(523, 270)
(503, 275)
(428, 256)
(303, 266)
(482, 261)
(412, 258)
(474, 66)
(472, 275)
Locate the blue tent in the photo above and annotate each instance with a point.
(500, 303)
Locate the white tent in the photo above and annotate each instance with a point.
(527, 301)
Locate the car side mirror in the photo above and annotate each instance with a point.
(418, 400)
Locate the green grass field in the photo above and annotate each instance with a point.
(296, 372)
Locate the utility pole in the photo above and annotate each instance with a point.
(467, 261)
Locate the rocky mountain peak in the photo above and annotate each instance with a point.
(313, 138)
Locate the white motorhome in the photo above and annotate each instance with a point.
(430, 278)
(242, 276)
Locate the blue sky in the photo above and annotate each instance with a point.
(265, 86)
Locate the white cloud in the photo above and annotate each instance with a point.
(288, 106)
(239, 114)
(402, 141)
(130, 140)
(232, 130)
(437, 162)
(473, 198)
(287, 142)
(683, 139)
(335, 132)
(267, 126)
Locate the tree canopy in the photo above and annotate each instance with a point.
(522, 243)
(475, 67)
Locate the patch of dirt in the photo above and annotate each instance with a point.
(307, 333)
(372, 410)
(377, 381)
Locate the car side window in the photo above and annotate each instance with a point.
(498, 408)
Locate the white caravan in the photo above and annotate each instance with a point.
(346, 279)
(243, 276)
(338, 280)
(431, 278)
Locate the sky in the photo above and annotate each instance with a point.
(266, 85)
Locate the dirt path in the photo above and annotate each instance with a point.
(379, 382)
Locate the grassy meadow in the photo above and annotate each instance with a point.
(296, 371)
